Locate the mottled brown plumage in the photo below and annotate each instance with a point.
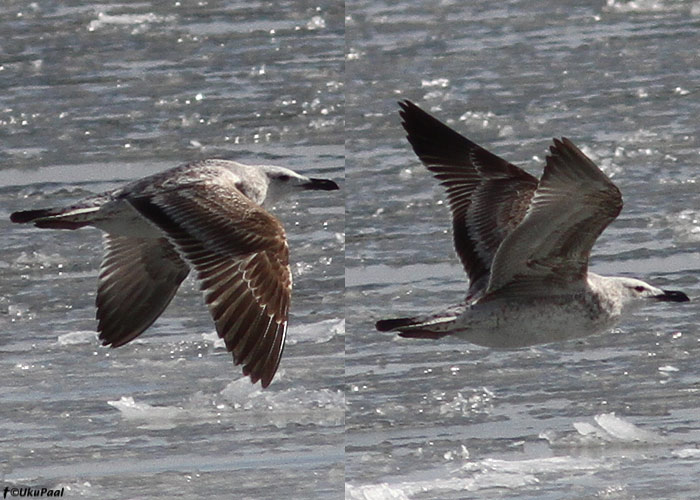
(207, 216)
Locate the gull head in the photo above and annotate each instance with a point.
(632, 290)
(283, 181)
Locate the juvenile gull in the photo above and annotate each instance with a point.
(207, 216)
(524, 243)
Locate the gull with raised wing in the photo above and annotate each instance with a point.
(207, 216)
(524, 243)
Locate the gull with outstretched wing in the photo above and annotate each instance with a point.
(524, 243)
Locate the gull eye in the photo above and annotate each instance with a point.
(639, 289)
(284, 177)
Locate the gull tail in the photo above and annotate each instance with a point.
(388, 325)
(411, 328)
(56, 218)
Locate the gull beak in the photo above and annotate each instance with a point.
(672, 296)
(320, 184)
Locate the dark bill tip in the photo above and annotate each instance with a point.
(321, 184)
(672, 296)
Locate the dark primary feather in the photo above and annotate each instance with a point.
(488, 196)
(138, 279)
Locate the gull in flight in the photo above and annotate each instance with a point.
(207, 216)
(524, 243)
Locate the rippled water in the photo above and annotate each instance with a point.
(613, 416)
(98, 94)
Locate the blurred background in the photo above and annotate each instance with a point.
(98, 94)
(613, 416)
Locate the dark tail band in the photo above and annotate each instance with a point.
(26, 216)
(387, 325)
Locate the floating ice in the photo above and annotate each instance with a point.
(608, 428)
(622, 430)
(125, 20)
(73, 338)
(693, 453)
(635, 6)
(157, 417)
(214, 339)
(40, 259)
(437, 82)
(474, 476)
(316, 22)
(317, 333)
(280, 408)
(409, 489)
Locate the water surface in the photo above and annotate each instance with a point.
(99, 94)
(612, 416)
